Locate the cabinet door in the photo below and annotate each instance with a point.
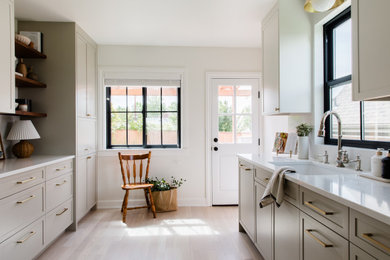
(319, 242)
(86, 136)
(356, 253)
(7, 61)
(81, 76)
(91, 181)
(81, 187)
(270, 49)
(91, 81)
(247, 201)
(371, 56)
(286, 234)
(263, 225)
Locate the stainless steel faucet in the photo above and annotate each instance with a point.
(321, 133)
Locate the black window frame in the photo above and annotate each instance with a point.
(330, 81)
(144, 116)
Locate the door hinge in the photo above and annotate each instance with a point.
(258, 94)
(258, 141)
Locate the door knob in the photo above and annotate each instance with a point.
(216, 140)
(215, 148)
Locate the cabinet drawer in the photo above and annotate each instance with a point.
(21, 209)
(58, 190)
(262, 176)
(321, 243)
(25, 244)
(58, 220)
(370, 235)
(58, 169)
(19, 182)
(327, 211)
(356, 253)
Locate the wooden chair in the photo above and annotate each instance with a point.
(125, 162)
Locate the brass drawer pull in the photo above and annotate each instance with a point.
(277, 109)
(27, 237)
(368, 236)
(89, 157)
(88, 114)
(23, 201)
(318, 210)
(61, 169)
(309, 232)
(59, 184)
(266, 179)
(248, 169)
(26, 180)
(62, 212)
(86, 149)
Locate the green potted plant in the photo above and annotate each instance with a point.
(164, 193)
(303, 131)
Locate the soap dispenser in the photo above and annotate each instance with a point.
(376, 163)
(386, 166)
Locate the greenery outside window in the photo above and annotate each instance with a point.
(143, 116)
(365, 124)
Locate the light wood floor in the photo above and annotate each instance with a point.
(189, 233)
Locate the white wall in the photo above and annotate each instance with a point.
(188, 162)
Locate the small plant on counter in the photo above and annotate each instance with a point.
(304, 129)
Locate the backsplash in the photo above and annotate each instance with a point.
(5, 126)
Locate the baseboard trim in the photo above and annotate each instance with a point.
(114, 204)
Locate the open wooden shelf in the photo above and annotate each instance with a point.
(24, 51)
(23, 82)
(27, 114)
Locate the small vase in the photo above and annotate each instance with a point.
(303, 147)
(22, 68)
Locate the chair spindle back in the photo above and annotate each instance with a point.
(129, 161)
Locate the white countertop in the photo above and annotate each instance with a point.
(9, 167)
(365, 195)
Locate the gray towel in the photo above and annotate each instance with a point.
(274, 192)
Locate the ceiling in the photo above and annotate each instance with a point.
(217, 23)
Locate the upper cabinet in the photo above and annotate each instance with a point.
(85, 77)
(286, 49)
(371, 55)
(7, 59)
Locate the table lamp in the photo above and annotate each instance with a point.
(23, 130)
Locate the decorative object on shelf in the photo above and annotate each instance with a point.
(376, 162)
(386, 166)
(317, 6)
(291, 144)
(32, 75)
(303, 131)
(23, 130)
(23, 39)
(164, 193)
(2, 151)
(21, 68)
(22, 102)
(36, 39)
(280, 142)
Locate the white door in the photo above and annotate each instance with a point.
(234, 129)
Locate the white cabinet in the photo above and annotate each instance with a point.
(371, 56)
(85, 77)
(7, 60)
(86, 136)
(286, 35)
(247, 201)
(85, 185)
(264, 225)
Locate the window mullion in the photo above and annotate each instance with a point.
(144, 107)
(161, 124)
(127, 116)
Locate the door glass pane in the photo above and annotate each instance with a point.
(225, 130)
(244, 99)
(342, 49)
(134, 99)
(244, 129)
(153, 99)
(349, 111)
(118, 98)
(377, 121)
(169, 99)
(169, 128)
(153, 128)
(118, 128)
(135, 128)
(225, 99)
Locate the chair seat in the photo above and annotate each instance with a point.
(136, 186)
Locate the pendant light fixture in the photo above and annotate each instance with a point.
(317, 6)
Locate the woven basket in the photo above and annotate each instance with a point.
(165, 201)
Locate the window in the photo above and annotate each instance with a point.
(364, 124)
(146, 116)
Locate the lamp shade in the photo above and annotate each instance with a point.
(315, 6)
(23, 130)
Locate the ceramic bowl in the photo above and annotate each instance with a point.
(23, 39)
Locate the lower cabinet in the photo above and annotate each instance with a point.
(85, 185)
(286, 233)
(264, 225)
(356, 253)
